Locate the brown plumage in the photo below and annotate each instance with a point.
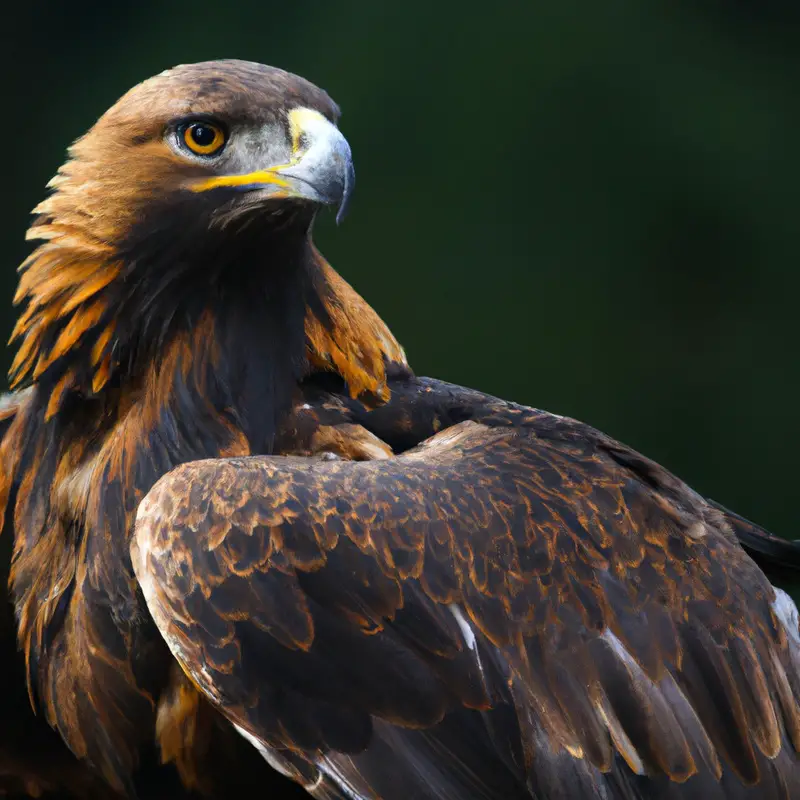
(159, 324)
(519, 606)
(389, 587)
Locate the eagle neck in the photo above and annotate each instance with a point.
(213, 382)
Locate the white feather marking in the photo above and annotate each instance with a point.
(267, 753)
(786, 611)
(9, 399)
(466, 630)
(312, 786)
(335, 774)
(619, 648)
(468, 634)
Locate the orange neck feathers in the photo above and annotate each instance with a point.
(68, 325)
(354, 341)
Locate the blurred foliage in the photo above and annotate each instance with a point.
(587, 207)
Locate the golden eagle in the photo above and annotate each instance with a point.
(245, 534)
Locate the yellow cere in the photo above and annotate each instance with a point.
(300, 119)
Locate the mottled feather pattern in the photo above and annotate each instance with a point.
(600, 603)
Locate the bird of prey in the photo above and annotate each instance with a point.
(245, 534)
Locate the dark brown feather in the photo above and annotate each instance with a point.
(691, 698)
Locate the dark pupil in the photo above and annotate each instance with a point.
(202, 135)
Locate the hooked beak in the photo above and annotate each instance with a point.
(320, 169)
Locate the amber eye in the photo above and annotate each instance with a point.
(202, 138)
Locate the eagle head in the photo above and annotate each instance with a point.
(192, 198)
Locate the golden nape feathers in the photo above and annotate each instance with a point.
(253, 554)
(128, 192)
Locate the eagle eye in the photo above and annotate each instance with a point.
(201, 137)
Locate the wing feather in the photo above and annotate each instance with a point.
(518, 606)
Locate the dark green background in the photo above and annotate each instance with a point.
(588, 207)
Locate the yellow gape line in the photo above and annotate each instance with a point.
(262, 176)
